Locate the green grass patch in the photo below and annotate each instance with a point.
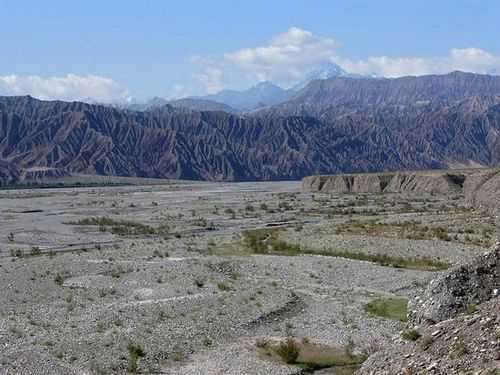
(267, 241)
(411, 335)
(395, 308)
(313, 357)
(412, 230)
(423, 263)
(122, 227)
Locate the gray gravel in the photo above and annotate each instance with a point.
(195, 300)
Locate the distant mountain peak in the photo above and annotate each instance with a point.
(265, 85)
(264, 93)
(324, 71)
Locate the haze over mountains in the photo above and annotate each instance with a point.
(260, 95)
(337, 124)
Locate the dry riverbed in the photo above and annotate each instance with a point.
(215, 278)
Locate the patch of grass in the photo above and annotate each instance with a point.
(423, 263)
(135, 352)
(122, 227)
(311, 356)
(411, 335)
(471, 308)
(266, 241)
(288, 351)
(412, 230)
(16, 253)
(223, 287)
(59, 279)
(35, 250)
(257, 240)
(394, 308)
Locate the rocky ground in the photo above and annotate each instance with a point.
(163, 279)
(454, 326)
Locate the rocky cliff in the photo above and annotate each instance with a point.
(430, 182)
(484, 191)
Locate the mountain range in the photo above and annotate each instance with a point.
(263, 94)
(339, 124)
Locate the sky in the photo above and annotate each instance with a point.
(126, 50)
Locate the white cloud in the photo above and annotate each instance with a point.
(467, 59)
(69, 87)
(211, 78)
(286, 58)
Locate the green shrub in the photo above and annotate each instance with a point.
(411, 335)
(223, 287)
(288, 351)
(122, 227)
(35, 250)
(135, 352)
(17, 253)
(59, 279)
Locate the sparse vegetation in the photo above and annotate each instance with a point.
(411, 335)
(123, 227)
(413, 230)
(213, 281)
(312, 357)
(266, 241)
(135, 351)
(471, 308)
(288, 351)
(35, 250)
(223, 287)
(59, 279)
(16, 253)
(390, 308)
(199, 282)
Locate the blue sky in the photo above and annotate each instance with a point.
(115, 49)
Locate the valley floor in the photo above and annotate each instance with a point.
(210, 278)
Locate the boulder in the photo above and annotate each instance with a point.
(458, 291)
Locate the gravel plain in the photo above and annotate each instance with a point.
(81, 299)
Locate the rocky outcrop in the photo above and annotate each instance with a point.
(466, 344)
(347, 183)
(455, 326)
(430, 182)
(458, 290)
(483, 191)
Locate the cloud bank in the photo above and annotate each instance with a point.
(68, 87)
(466, 59)
(285, 59)
(290, 56)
